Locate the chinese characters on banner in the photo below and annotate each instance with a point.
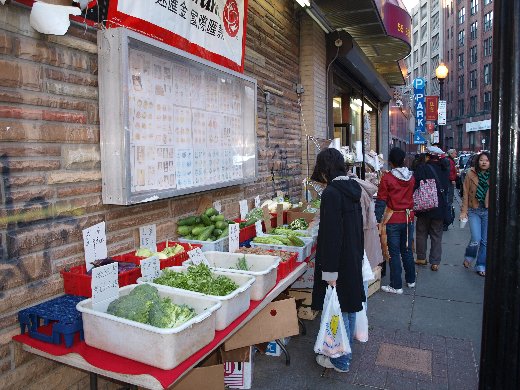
(432, 103)
(211, 29)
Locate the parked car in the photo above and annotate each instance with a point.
(462, 173)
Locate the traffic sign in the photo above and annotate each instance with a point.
(418, 139)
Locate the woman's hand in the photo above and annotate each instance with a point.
(463, 217)
(332, 283)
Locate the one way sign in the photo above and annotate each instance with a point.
(418, 139)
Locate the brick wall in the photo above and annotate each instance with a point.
(50, 160)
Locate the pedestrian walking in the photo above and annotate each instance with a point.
(394, 210)
(475, 203)
(339, 254)
(452, 154)
(430, 223)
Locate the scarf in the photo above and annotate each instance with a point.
(483, 185)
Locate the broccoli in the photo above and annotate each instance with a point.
(136, 305)
(169, 315)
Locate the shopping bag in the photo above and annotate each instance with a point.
(367, 270)
(425, 196)
(332, 340)
(361, 329)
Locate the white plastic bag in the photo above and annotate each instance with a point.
(361, 329)
(332, 340)
(367, 271)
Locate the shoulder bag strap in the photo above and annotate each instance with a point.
(437, 181)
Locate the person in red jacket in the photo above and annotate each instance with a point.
(394, 210)
(452, 154)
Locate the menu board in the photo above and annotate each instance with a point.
(186, 125)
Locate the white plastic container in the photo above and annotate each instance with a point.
(221, 245)
(303, 251)
(158, 347)
(263, 268)
(233, 304)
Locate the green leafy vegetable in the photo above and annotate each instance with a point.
(242, 264)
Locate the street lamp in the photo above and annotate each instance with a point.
(441, 72)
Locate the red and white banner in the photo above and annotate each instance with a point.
(212, 29)
(432, 103)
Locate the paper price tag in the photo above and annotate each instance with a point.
(148, 237)
(197, 257)
(267, 219)
(279, 214)
(217, 205)
(105, 285)
(234, 236)
(150, 268)
(257, 201)
(244, 209)
(94, 244)
(258, 228)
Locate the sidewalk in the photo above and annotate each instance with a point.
(426, 339)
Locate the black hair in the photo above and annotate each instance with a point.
(477, 159)
(329, 165)
(396, 157)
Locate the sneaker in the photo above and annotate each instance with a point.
(411, 285)
(392, 290)
(325, 362)
(421, 262)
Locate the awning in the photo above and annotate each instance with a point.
(382, 31)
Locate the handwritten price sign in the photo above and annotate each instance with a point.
(148, 237)
(150, 268)
(94, 244)
(197, 257)
(234, 236)
(105, 285)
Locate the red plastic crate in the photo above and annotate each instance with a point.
(247, 233)
(285, 268)
(76, 281)
(275, 215)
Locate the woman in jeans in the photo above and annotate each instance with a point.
(475, 208)
(339, 255)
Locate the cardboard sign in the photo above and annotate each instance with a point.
(244, 208)
(94, 244)
(267, 219)
(217, 205)
(150, 268)
(279, 214)
(205, 202)
(234, 233)
(105, 285)
(148, 237)
(197, 257)
(257, 201)
(258, 228)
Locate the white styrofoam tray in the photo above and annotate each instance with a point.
(220, 245)
(158, 347)
(303, 251)
(233, 304)
(263, 268)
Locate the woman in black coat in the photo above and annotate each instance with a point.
(339, 256)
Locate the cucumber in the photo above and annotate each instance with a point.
(183, 230)
(186, 221)
(206, 233)
(216, 218)
(221, 225)
(205, 220)
(210, 212)
(198, 230)
(224, 233)
(197, 220)
(217, 232)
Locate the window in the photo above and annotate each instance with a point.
(424, 31)
(452, 31)
(461, 15)
(448, 56)
(415, 19)
(424, 70)
(474, 6)
(435, 63)
(488, 47)
(435, 42)
(486, 2)
(461, 107)
(424, 11)
(415, 56)
(488, 21)
(461, 38)
(460, 61)
(487, 74)
(473, 30)
(435, 21)
(472, 105)
(486, 106)
(415, 38)
(473, 79)
(471, 138)
(461, 84)
(473, 54)
(416, 73)
(424, 50)
(460, 134)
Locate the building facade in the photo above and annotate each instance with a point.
(468, 54)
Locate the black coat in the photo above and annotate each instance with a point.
(423, 172)
(340, 245)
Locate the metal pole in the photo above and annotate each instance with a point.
(500, 360)
(441, 127)
(363, 166)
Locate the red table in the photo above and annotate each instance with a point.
(129, 371)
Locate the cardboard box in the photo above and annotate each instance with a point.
(303, 298)
(297, 212)
(306, 313)
(208, 376)
(239, 374)
(275, 321)
(273, 349)
(307, 279)
(375, 284)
